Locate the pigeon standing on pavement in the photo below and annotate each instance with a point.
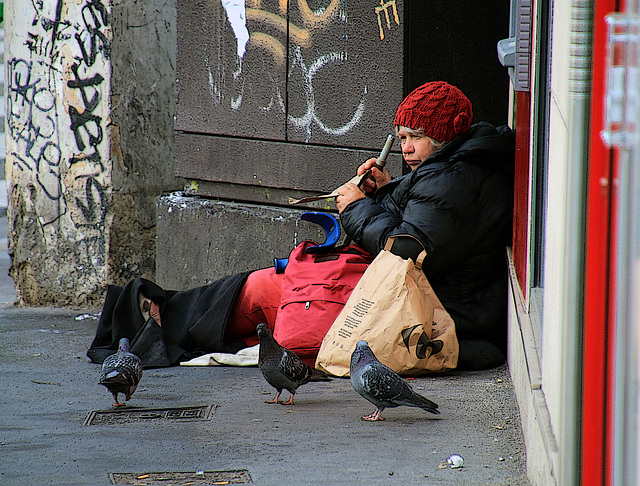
(282, 368)
(121, 372)
(381, 385)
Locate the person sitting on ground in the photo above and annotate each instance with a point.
(456, 203)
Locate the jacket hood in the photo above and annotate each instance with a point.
(482, 144)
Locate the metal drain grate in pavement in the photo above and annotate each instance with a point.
(200, 478)
(145, 415)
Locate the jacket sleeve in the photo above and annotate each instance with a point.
(440, 210)
(368, 224)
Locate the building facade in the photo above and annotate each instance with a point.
(574, 260)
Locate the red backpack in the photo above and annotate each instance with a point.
(315, 288)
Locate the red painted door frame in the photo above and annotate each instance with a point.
(599, 298)
(521, 189)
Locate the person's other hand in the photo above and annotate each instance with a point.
(377, 179)
(348, 194)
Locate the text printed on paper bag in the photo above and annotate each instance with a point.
(354, 319)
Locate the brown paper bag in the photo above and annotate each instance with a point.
(394, 309)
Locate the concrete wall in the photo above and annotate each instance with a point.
(3, 108)
(320, 72)
(524, 357)
(89, 143)
(555, 231)
(275, 103)
(205, 239)
(271, 104)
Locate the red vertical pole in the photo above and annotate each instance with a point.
(599, 275)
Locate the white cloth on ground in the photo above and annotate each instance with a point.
(244, 357)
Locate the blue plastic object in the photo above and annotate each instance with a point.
(331, 227)
(280, 264)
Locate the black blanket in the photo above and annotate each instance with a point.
(193, 321)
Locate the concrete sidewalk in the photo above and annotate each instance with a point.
(57, 425)
(50, 390)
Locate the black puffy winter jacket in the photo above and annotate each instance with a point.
(459, 205)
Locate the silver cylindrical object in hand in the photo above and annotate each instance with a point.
(382, 158)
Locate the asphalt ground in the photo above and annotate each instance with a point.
(58, 426)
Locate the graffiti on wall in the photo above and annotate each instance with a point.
(272, 30)
(311, 118)
(57, 115)
(388, 10)
(32, 126)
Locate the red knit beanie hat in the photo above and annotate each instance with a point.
(437, 108)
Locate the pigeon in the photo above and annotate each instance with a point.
(381, 385)
(121, 372)
(282, 368)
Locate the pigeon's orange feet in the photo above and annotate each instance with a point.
(289, 402)
(375, 416)
(275, 400)
(117, 404)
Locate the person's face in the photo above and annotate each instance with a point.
(416, 147)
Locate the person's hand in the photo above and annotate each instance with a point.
(377, 179)
(348, 194)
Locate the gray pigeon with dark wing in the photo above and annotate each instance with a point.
(121, 372)
(282, 368)
(381, 385)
